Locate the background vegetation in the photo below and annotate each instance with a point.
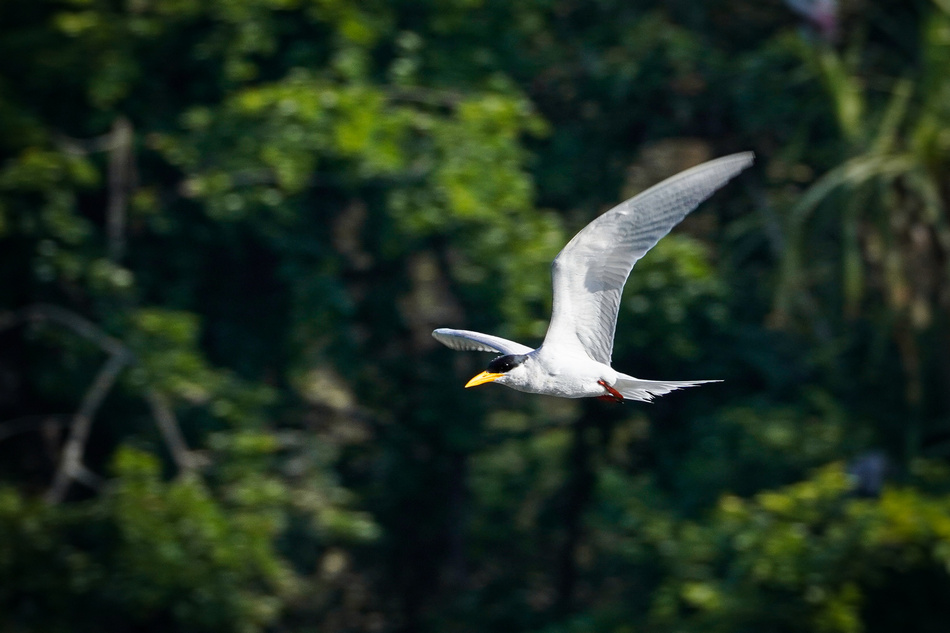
(227, 228)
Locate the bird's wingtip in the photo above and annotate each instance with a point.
(746, 158)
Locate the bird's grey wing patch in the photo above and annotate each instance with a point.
(466, 340)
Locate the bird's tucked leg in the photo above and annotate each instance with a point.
(613, 394)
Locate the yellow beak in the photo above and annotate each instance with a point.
(482, 378)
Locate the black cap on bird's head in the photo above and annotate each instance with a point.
(506, 363)
(497, 368)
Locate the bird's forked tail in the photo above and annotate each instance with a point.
(645, 390)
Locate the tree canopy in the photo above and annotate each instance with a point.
(228, 227)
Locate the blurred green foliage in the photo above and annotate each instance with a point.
(227, 228)
(149, 553)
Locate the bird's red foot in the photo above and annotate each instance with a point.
(612, 394)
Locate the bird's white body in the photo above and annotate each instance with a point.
(564, 375)
(588, 277)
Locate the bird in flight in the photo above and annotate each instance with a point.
(588, 275)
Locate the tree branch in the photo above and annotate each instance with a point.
(121, 182)
(70, 462)
(70, 467)
(84, 147)
(39, 312)
(28, 423)
(186, 459)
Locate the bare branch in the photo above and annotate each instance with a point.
(121, 182)
(39, 312)
(70, 462)
(70, 465)
(84, 147)
(29, 423)
(83, 475)
(164, 415)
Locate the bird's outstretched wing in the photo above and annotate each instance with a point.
(589, 273)
(466, 340)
